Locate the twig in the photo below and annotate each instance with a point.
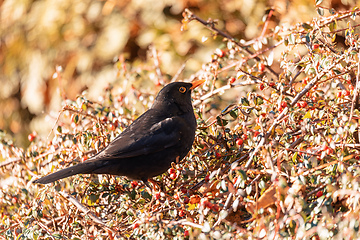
(85, 210)
(157, 64)
(210, 25)
(224, 88)
(177, 74)
(45, 229)
(10, 161)
(183, 222)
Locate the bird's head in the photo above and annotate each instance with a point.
(176, 96)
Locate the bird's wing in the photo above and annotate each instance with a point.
(142, 139)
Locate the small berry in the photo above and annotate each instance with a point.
(218, 155)
(171, 171)
(303, 104)
(134, 184)
(186, 233)
(232, 80)
(186, 200)
(244, 136)
(346, 93)
(351, 87)
(319, 193)
(315, 46)
(339, 94)
(207, 178)
(181, 213)
(184, 190)
(256, 133)
(239, 141)
(271, 84)
(283, 104)
(215, 207)
(220, 52)
(173, 176)
(261, 67)
(135, 226)
(32, 136)
(261, 86)
(157, 196)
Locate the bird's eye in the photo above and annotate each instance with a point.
(182, 89)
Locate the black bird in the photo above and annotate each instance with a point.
(160, 136)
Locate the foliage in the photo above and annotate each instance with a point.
(281, 161)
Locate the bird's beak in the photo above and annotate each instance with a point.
(197, 83)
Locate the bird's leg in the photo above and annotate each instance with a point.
(153, 189)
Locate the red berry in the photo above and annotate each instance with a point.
(186, 200)
(283, 104)
(303, 104)
(218, 155)
(280, 109)
(181, 213)
(256, 133)
(261, 86)
(329, 151)
(215, 207)
(184, 190)
(232, 80)
(136, 225)
(157, 196)
(315, 46)
(239, 141)
(84, 158)
(339, 94)
(134, 184)
(234, 180)
(220, 52)
(261, 67)
(346, 93)
(207, 178)
(319, 193)
(186, 233)
(32, 136)
(173, 176)
(351, 87)
(171, 171)
(244, 136)
(271, 84)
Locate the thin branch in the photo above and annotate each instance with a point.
(210, 25)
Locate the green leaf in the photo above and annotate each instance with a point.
(318, 2)
(258, 100)
(307, 26)
(332, 26)
(291, 39)
(245, 102)
(320, 11)
(233, 113)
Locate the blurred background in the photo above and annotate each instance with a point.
(88, 41)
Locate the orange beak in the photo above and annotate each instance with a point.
(197, 83)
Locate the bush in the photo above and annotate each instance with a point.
(275, 156)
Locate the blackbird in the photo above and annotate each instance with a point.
(160, 136)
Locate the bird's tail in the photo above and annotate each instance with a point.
(85, 167)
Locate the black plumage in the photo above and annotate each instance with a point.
(160, 136)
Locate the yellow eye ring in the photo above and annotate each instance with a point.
(182, 89)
